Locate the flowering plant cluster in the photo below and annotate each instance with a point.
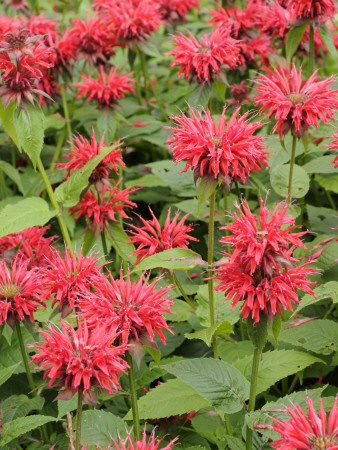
(168, 224)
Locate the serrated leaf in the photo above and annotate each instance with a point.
(119, 239)
(327, 290)
(8, 122)
(17, 427)
(327, 39)
(279, 178)
(106, 124)
(276, 365)
(200, 96)
(17, 406)
(29, 124)
(169, 399)
(99, 427)
(320, 165)
(12, 173)
(233, 351)
(318, 336)
(68, 193)
(217, 381)
(65, 406)
(174, 258)
(54, 121)
(276, 326)
(154, 353)
(7, 372)
(24, 214)
(207, 334)
(293, 39)
(89, 241)
(205, 188)
(328, 182)
(321, 219)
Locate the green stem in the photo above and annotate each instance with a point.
(24, 357)
(144, 70)
(253, 390)
(180, 287)
(311, 51)
(293, 383)
(238, 192)
(292, 163)
(58, 149)
(4, 191)
(78, 419)
(134, 407)
(66, 111)
(330, 199)
(241, 330)
(55, 204)
(210, 262)
(329, 311)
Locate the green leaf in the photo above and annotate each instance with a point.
(148, 180)
(65, 406)
(321, 219)
(24, 214)
(217, 381)
(276, 326)
(7, 373)
(276, 365)
(68, 193)
(8, 122)
(99, 427)
(17, 427)
(279, 178)
(318, 336)
(233, 351)
(174, 258)
(320, 165)
(17, 406)
(119, 240)
(205, 188)
(106, 124)
(293, 39)
(200, 96)
(207, 334)
(54, 121)
(327, 39)
(89, 241)
(29, 124)
(327, 290)
(328, 182)
(154, 353)
(169, 399)
(12, 173)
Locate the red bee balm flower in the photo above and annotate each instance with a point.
(334, 145)
(21, 292)
(151, 239)
(260, 270)
(133, 308)
(101, 211)
(176, 10)
(70, 278)
(312, 8)
(82, 151)
(204, 60)
(80, 360)
(106, 89)
(229, 150)
(307, 431)
(296, 104)
(152, 444)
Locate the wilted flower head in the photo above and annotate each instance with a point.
(100, 211)
(304, 9)
(70, 277)
(206, 59)
(133, 308)
(82, 151)
(175, 10)
(151, 238)
(105, 89)
(79, 360)
(260, 268)
(296, 104)
(229, 151)
(306, 431)
(239, 93)
(21, 292)
(18, 42)
(332, 146)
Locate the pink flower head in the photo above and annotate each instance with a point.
(80, 360)
(92, 40)
(304, 9)
(106, 90)
(70, 277)
(229, 151)
(296, 104)
(151, 238)
(206, 59)
(45, 27)
(82, 151)
(21, 292)
(18, 42)
(333, 146)
(307, 431)
(18, 5)
(133, 308)
(239, 93)
(260, 268)
(29, 244)
(176, 10)
(100, 212)
(132, 20)
(152, 443)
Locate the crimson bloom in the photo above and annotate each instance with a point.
(152, 443)
(296, 104)
(82, 151)
(334, 145)
(229, 151)
(80, 360)
(21, 292)
(176, 10)
(260, 268)
(106, 90)
(133, 308)
(239, 93)
(312, 8)
(306, 431)
(206, 59)
(70, 277)
(101, 211)
(151, 238)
